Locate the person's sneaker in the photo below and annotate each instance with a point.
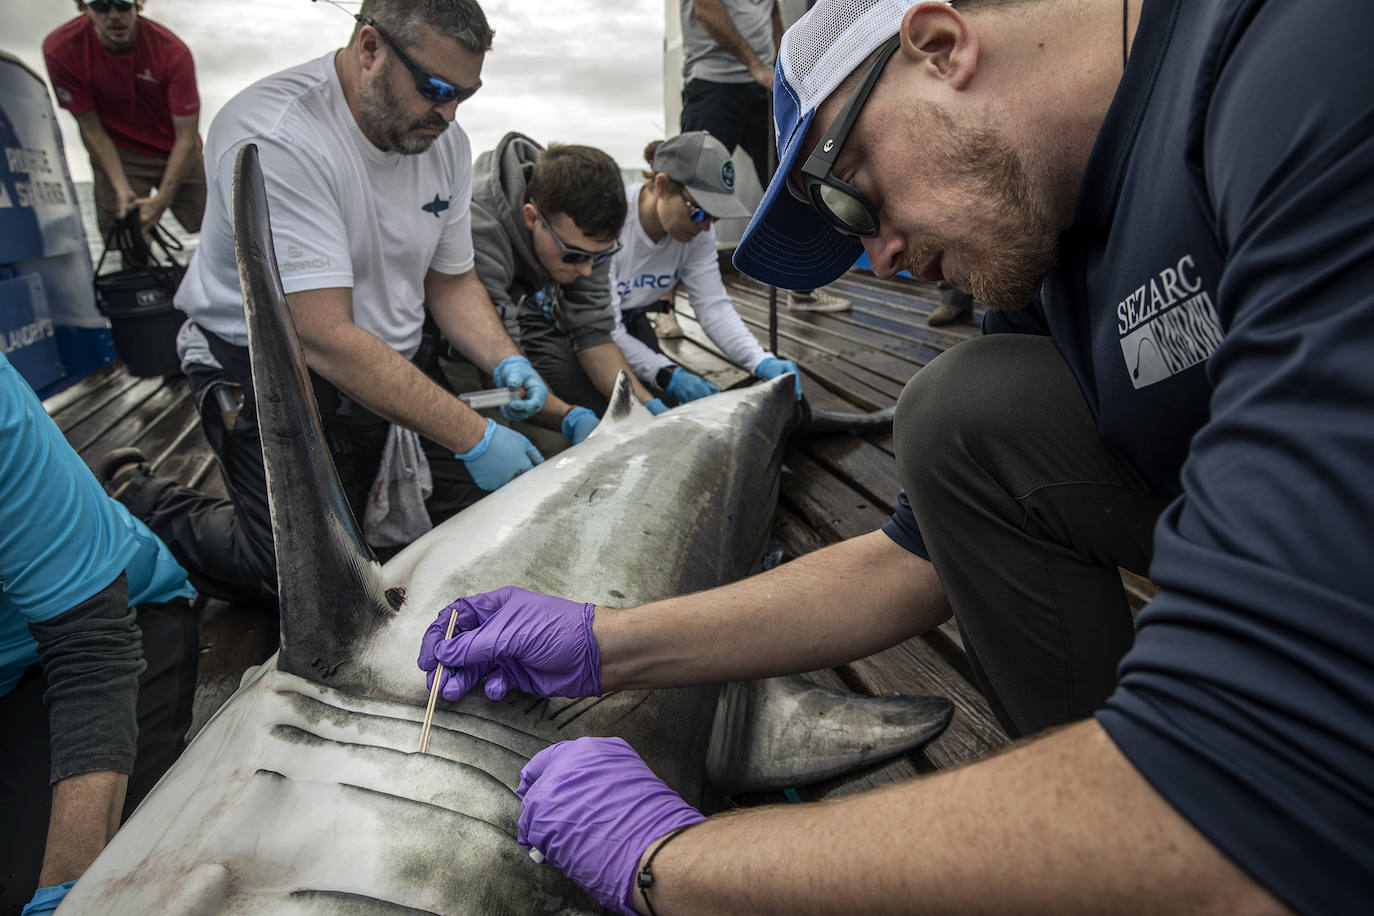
(665, 324)
(952, 309)
(815, 300)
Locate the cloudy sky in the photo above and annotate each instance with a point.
(590, 71)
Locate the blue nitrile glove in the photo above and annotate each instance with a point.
(656, 406)
(46, 899)
(688, 387)
(772, 367)
(516, 372)
(592, 807)
(501, 455)
(514, 638)
(578, 424)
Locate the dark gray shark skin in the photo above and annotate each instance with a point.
(305, 794)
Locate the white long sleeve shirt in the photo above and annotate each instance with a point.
(643, 271)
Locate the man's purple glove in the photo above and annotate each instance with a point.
(592, 807)
(537, 643)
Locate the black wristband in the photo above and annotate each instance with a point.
(645, 879)
(664, 376)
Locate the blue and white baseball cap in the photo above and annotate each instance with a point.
(788, 244)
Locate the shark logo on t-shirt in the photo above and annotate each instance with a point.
(436, 206)
(147, 75)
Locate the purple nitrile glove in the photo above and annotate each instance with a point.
(514, 638)
(592, 807)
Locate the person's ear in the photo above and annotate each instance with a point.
(661, 180)
(940, 40)
(531, 216)
(369, 44)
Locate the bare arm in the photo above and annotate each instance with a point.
(603, 362)
(1060, 825)
(800, 616)
(102, 150)
(184, 150)
(383, 380)
(85, 815)
(463, 310)
(718, 24)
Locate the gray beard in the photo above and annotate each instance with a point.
(379, 109)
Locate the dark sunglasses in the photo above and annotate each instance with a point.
(103, 6)
(841, 204)
(577, 255)
(695, 211)
(426, 83)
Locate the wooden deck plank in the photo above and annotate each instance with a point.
(862, 465)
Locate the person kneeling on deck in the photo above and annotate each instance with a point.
(97, 658)
(1193, 217)
(669, 237)
(544, 224)
(368, 183)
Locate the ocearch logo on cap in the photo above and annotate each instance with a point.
(727, 174)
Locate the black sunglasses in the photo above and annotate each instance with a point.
(426, 83)
(841, 204)
(577, 255)
(695, 212)
(103, 6)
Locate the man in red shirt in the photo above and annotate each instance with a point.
(132, 86)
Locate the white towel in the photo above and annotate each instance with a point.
(396, 513)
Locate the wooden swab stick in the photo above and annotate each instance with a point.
(434, 690)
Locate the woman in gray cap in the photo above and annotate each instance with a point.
(669, 238)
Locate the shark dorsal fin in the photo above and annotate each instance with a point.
(623, 406)
(327, 577)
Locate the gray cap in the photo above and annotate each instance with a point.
(700, 163)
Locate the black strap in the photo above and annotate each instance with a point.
(645, 878)
(136, 249)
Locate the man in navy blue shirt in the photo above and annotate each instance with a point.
(1185, 191)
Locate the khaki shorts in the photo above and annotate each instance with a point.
(143, 174)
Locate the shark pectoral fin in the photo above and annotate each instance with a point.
(789, 731)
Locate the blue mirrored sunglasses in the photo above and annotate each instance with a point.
(573, 255)
(695, 211)
(427, 84)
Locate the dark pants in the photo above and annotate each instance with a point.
(736, 114)
(551, 353)
(1027, 514)
(165, 691)
(227, 545)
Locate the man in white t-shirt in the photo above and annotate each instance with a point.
(368, 184)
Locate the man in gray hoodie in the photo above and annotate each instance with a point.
(545, 223)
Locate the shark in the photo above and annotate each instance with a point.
(305, 792)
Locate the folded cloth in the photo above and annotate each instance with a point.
(396, 513)
(193, 348)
